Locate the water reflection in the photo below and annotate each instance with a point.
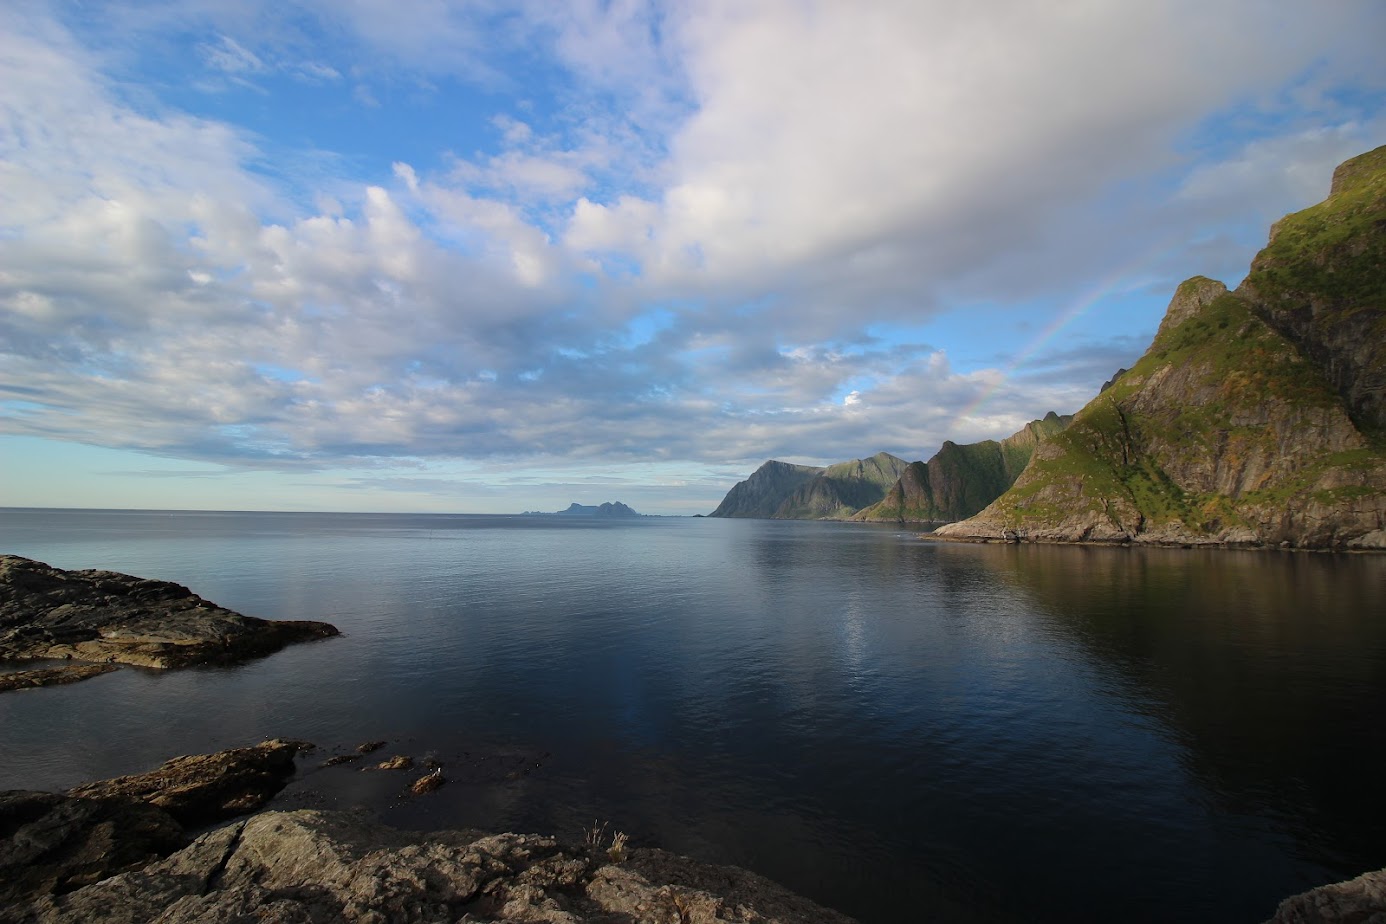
(1269, 668)
(884, 724)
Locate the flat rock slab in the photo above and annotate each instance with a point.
(52, 676)
(105, 616)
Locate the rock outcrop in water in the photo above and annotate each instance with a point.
(116, 852)
(1257, 417)
(105, 616)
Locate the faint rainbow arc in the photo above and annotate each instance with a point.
(1104, 287)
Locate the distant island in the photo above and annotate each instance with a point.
(609, 509)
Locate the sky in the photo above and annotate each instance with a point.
(489, 257)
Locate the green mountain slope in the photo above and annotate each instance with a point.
(1255, 417)
(768, 487)
(960, 480)
(841, 490)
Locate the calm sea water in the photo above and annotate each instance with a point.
(893, 727)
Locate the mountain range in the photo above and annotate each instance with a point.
(957, 482)
(1256, 417)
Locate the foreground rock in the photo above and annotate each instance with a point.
(1357, 901)
(117, 851)
(314, 866)
(52, 843)
(105, 616)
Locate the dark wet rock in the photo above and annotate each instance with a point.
(370, 747)
(105, 616)
(1357, 901)
(327, 866)
(398, 762)
(54, 843)
(428, 782)
(52, 676)
(340, 759)
(202, 788)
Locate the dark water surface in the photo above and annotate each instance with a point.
(893, 727)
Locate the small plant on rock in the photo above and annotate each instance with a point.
(617, 850)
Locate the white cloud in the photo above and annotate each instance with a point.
(773, 180)
(229, 56)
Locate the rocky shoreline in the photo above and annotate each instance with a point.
(104, 618)
(1371, 543)
(137, 848)
(127, 850)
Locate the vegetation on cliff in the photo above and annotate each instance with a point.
(781, 490)
(960, 480)
(1255, 417)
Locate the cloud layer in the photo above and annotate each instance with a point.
(710, 233)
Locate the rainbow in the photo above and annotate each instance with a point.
(1108, 284)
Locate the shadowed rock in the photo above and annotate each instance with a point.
(53, 843)
(105, 616)
(52, 676)
(328, 866)
(202, 788)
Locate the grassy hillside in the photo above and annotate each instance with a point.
(1254, 417)
(961, 479)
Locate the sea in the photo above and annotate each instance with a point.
(901, 729)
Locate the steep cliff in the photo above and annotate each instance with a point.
(961, 479)
(779, 490)
(767, 488)
(841, 490)
(1255, 417)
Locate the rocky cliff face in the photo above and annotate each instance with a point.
(779, 490)
(840, 490)
(768, 487)
(961, 479)
(1256, 416)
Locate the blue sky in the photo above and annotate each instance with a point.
(488, 257)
